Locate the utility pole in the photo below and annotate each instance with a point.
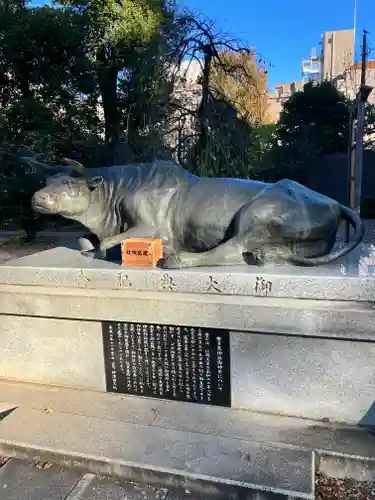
(354, 25)
(356, 135)
(356, 203)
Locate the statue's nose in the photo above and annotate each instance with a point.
(45, 198)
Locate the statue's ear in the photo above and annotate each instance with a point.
(95, 182)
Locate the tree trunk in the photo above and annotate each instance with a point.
(24, 85)
(107, 76)
(203, 106)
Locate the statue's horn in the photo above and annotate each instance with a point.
(45, 167)
(76, 165)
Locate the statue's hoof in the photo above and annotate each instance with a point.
(170, 262)
(88, 253)
(94, 254)
(100, 254)
(85, 245)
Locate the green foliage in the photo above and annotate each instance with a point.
(231, 133)
(94, 80)
(45, 72)
(230, 146)
(118, 33)
(117, 25)
(313, 122)
(16, 188)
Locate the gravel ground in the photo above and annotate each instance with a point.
(328, 488)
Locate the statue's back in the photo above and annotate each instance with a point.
(152, 174)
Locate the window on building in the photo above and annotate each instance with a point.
(306, 65)
(279, 92)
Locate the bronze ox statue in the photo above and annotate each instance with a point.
(202, 221)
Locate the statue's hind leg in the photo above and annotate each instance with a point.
(250, 234)
(227, 254)
(263, 224)
(313, 248)
(269, 228)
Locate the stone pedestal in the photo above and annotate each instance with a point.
(297, 341)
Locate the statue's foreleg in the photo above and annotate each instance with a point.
(112, 241)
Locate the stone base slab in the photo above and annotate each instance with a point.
(151, 452)
(301, 340)
(179, 444)
(348, 279)
(54, 337)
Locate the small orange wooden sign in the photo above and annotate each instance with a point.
(142, 252)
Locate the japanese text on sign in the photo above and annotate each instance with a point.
(171, 362)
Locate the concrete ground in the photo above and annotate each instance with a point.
(181, 451)
(22, 480)
(176, 446)
(25, 480)
(12, 248)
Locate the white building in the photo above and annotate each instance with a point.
(187, 93)
(349, 81)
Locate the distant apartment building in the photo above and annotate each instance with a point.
(335, 63)
(337, 53)
(179, 129)
(312, 68)
(284, 90)
(276, 99)
(336, 56)
(349, 81)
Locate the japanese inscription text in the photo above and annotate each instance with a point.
(170, 362)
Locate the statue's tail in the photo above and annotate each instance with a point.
(359, 230)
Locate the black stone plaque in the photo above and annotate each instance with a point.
(168, 362)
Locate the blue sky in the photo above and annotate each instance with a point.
(285, 31)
